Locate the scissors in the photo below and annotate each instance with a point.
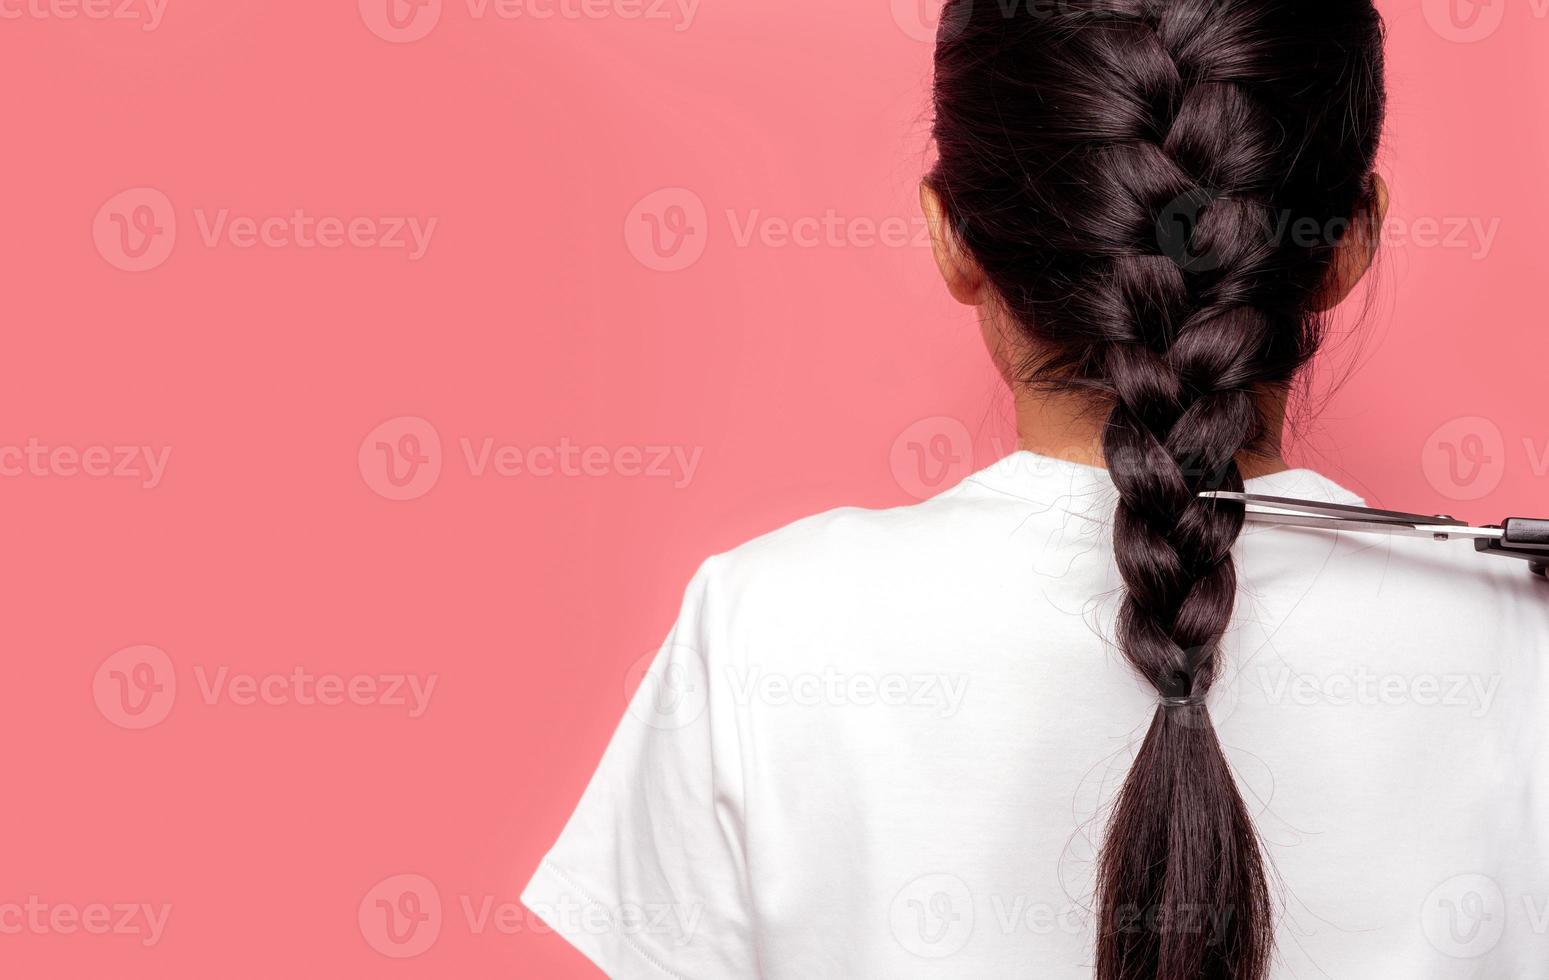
(1517, 537)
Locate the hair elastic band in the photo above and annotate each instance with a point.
(1196, 700)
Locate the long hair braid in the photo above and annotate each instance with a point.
(1131, 175)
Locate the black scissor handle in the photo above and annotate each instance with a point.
(1524, 537)
(1529, 533)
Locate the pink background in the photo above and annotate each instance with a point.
(608, 277)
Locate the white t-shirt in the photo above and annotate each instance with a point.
(882, 744)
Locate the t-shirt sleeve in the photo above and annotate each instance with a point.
(648, 877)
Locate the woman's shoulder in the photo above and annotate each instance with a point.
(851, 543)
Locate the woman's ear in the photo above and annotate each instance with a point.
(964, 279)
(1358, 249)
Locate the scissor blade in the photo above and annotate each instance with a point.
(1287, 512)
(1345, 512)
(1372, 527)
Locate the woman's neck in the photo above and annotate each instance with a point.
(1061, 426)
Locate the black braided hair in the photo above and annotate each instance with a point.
(1156, 190)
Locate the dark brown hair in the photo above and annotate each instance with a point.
(1156, 190)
